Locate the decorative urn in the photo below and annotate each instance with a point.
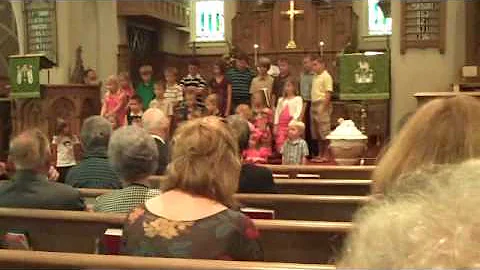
(348, 144)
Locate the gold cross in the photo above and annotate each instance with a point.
(291, 13)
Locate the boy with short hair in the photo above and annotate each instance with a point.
(321, 109)
(263, 81)
(135, 111)
(279, 82)
(241, 77)
(160, 102)
(173, 91)
(145, 87)
(194, 81)
(295, 149)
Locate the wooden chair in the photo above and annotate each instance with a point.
(78, 232)
(324, 171)
(289, 206)
(56, 260)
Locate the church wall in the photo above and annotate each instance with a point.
(417, 70)
(425, 70)
(91, 24)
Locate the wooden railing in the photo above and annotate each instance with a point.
(59, 260)
(174, 12)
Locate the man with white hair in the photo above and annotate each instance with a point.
(94, 171)
(157, 124)
(30, 188)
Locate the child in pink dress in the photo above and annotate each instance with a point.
(262, 120)
(115, 101)
(126, 84)
(289, 107)
(255, 153)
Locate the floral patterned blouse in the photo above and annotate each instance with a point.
(227, 235)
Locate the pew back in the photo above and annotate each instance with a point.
(54, 260)
(288, 206)
(78, 232)
(324, 171)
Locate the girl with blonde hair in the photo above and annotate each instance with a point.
(202, 178)
(443, 131)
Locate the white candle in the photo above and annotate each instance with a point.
(322, 44)
(255, 53)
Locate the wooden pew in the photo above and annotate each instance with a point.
(323, 186)
(287, 206)
(56, 260)
(325, 171)
(307, 186)
(78, 232)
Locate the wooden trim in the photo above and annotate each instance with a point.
(68, 260)
(312, 169)
(115, 220)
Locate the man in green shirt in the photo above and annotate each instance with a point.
(145, 87)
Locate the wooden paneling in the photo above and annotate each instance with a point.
(73, 103)
(174, 12)
(472, 9)
(334, 23)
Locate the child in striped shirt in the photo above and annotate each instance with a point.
(173, 91)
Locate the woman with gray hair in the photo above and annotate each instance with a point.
(133, 155)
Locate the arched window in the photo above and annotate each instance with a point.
(209, 20)
(377, 23)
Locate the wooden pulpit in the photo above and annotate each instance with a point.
(73, 103)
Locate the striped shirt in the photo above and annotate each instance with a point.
(241, 80)
(294, 151)
(94, 171)
(124, 200)
(195, 81)
(173, 93)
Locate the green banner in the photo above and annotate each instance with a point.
(24, 74)
(364, 76)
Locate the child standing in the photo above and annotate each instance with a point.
(173, 91)
(188, 109)
(221, 86)
(212, 105)
(295, 149)
(66, 149)
(160, 102)
(255, 153)
(115, 100)
(289, 108)
(135, 111)
(262, 120)
(126, 84)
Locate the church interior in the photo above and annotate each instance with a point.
(384, 67)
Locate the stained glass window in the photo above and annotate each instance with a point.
(209, 20)
(377, 23)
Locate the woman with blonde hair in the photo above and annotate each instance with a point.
(443, 131)
(192, 218)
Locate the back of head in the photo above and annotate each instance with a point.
(240, 130)
(96, 132)
(155, 121)
(443, 131)
(205, 160)
(30, 150)
(133, 153)
(436, 225)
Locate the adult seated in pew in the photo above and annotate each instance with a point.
(30, 188)
(94, 171)
(431, 222)
(443, 131)
(158, 125)
(192, 219)
(134, 156)
(253, 178)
